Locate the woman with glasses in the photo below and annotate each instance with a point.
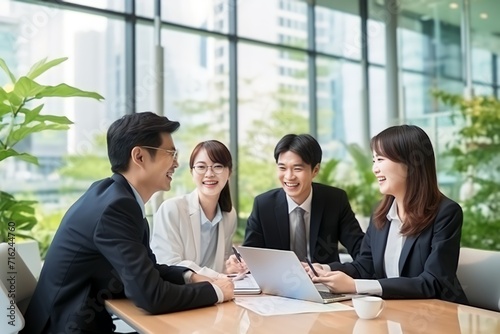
(196, 230)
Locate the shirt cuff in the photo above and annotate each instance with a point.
(368, 286)
(326, 267)
(187, 276)
(220, 295)
(187, 279)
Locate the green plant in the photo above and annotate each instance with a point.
(475, 151)
(359, 184)
(20, 116)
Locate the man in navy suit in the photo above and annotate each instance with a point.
(325, 210)
(101, 249)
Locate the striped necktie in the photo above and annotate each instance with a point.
(300, 245)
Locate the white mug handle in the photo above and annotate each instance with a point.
(381, 308)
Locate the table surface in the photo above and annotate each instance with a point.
(399, 316)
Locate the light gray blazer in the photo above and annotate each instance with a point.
(176, 238)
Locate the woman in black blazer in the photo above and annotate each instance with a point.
(412, 244)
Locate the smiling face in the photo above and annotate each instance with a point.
(160, 167)
(391, 176)
(209, 184)
(295, 176)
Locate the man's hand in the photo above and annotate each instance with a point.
(227, 287)
(233, 266)
(196, 278)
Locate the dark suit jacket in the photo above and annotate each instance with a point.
(428, 261)
(100, 251)
(332, 220)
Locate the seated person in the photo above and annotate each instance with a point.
(412, 244)
(101, 248)
(196, 230)
(306, 217)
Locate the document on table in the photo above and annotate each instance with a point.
(275, 305)
(246, 286)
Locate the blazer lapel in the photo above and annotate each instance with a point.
(221, 245)
(380, 239)
(405, 252)
(317, 207)
(282, 219)
(194, 217)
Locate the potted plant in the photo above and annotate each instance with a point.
(20, 116)
(475, 154)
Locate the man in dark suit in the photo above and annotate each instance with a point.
(101, 249)
(324, 210)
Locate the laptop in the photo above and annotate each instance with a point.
(280, 273)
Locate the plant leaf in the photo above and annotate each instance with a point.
(30, 115)
(19, 134)
(6, 153)
(53, 119)
(3, 95)
(5, 68)
(42, 66)
(25, 87)
(64, 90)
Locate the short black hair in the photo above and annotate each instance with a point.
(304, 145)
(139, 129)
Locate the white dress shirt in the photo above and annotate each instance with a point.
(393, 248)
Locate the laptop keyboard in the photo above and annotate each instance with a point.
(329, 295)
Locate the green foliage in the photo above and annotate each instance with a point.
(21, 213)
(475, 151)
(20, 119)
(360, 184)
(89, 166)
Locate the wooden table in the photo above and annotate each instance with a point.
(399, 316)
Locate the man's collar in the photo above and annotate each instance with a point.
(306, 205)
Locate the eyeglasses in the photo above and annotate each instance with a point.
(173, 153)
(202, 169)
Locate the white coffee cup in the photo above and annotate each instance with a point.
(368, 307)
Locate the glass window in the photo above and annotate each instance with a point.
(416, 94)
(210, 15)
(376, 33)
(283, 21)
(429, 38)
(339, 105)
(69, 161)
(482, 65)
(415, 50)
(338, 30)
(378, 99)
(102, 4)
(483, 90)
(271, 103)
(196, 91)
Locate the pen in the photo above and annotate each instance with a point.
(238, 255)
(311, 266)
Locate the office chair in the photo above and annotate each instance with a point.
(479, 272)
(17, 285)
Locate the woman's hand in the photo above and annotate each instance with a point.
(233, 266)
(317, 267)
(336, 281)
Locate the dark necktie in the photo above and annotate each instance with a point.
(300, 246)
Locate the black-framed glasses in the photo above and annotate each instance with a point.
(173, 153)
(202, 168)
